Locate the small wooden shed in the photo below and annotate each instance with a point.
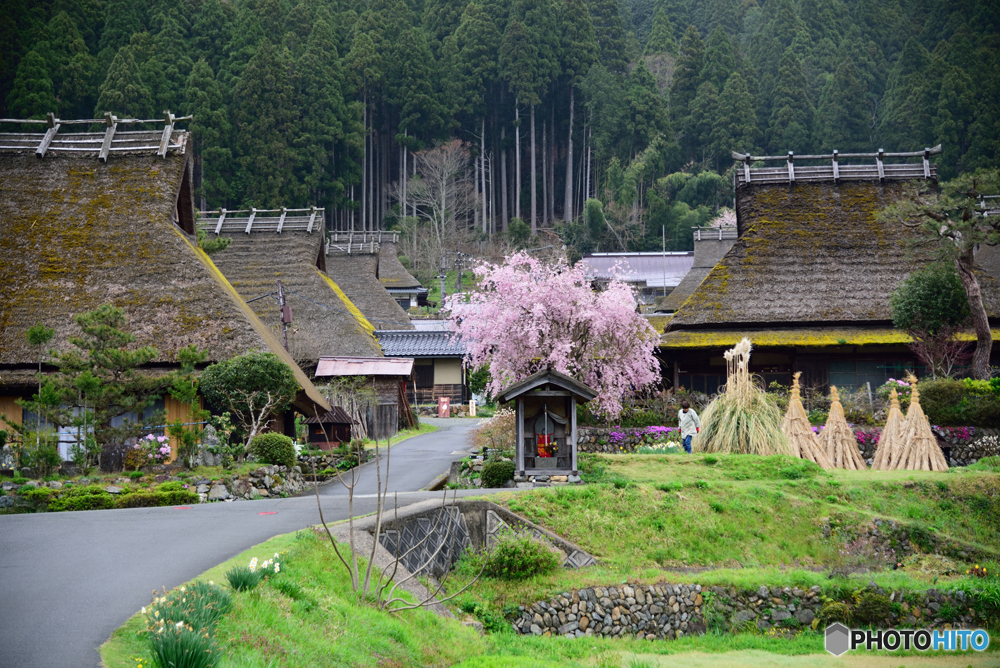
(329, 430)
(546, 422)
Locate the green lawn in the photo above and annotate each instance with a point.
(733, 520)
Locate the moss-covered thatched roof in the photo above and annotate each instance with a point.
(391, 272)
(77, 233)
(809, 255)
(324, 321)
(356, 274)
(802, 337)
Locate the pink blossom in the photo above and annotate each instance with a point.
(527, 315)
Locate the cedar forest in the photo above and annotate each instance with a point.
(546, 103)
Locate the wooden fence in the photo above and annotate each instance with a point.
(793, 170)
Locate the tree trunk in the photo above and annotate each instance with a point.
(545, 176)
(534, 176)
(517, 160)
(482, 169)
(551, 199)
(475, 193)
(568, 199)
(364, 166)
(503, 180)
(980, 321)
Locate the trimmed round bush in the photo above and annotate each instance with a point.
(496, 473)
(273, 449)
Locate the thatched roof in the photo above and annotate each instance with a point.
(809, 255)
(324, 321)
(710, 245)
(391, 272)
(77, 233)
(357, 275)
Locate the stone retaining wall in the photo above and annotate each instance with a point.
(669, 611)
(625, 439)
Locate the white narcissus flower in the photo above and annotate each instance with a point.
(277, 567)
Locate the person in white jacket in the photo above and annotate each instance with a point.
(689, 424)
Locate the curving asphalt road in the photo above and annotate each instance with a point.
(67, 580)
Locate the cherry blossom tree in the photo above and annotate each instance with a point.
(527, 315)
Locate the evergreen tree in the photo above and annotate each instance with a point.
(647, 113)
(951, 123)
(212, 31)
(699, 123)
(579, 53)
(32, 95)
(736, 127)
(121, 21)
(843, 118)
(661, 38)
(123, 92)
(264, 124)
(477, 45)
(70, 65)
(687, 76)
(720, 59)
(415, 85)
(210, 133)
(610, 32)
(441, 19)
(792, 111)
(911, 98)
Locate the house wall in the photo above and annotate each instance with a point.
(177, 411)
(448, 372)
(11, 410)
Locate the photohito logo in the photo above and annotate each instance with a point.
(840, 639)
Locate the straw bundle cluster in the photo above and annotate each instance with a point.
(838, 440)
(891, 443)
(796, 427)
(920, 451)
(742, 419)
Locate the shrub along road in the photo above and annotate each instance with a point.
(70, 579)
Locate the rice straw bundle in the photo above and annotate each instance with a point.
(742, 419)
(838, 440)
(890, 444)
(920, 451)
(796, 427)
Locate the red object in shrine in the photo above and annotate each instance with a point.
(545, 443)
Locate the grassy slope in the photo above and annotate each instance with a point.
(760, 519)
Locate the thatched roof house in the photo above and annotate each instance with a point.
(287, 246)
(809, 281)
(352, 261)
(398, 282)
(710, 246)
(78, 232)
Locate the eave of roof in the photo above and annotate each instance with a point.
(419, 343)
(689, 339)
(364, 366)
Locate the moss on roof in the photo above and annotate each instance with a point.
(356, 274)
(809, 253)
(77, 233)
(391, 272)
(796, 338)
(325, 322)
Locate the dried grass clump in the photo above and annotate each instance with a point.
(890, 444)
(920, 451)
(839, 444)
(805, 444)
(742, 419)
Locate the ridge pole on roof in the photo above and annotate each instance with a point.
(881, 168)
(746, 167)
(253, 214)
(927, 163)
(791, 167)
(281, 221)
(168, 131)
(836, 165)
(112, 122)
(218, 226)
(312, 219)
(50, 134)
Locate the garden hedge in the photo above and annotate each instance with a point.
(272, 448)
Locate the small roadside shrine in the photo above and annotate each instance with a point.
(546, 422)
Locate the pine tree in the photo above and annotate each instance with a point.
(792, 111)
(687, 76)
(441, 19)
(210, 132)
(70, 65)
(720, 59)
(843, 118)
(32, 95)
(647, 110)
(951, 123)
(610, 32)
(736, 129)
(477, 46)
(911, 97)
(661, 38)
(121, 21)
(579, 52)
(123, 92)
(212, 31)
(698, 125)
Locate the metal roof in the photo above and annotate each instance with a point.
(363, 366)
(419, 343)
(656, 270)
(335, 416)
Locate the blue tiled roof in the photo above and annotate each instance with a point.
(411, 343)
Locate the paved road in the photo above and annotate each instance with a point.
(67, 580)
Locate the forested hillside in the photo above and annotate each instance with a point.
(637, 103)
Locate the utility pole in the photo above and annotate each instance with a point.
(286, 315)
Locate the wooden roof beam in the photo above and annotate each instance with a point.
(168, 130)
(253, 214)
(218, 226)
(50, 134)
(281, 221)
(109, 135)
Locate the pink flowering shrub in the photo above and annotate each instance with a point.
(157, 448)
(527, 315)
